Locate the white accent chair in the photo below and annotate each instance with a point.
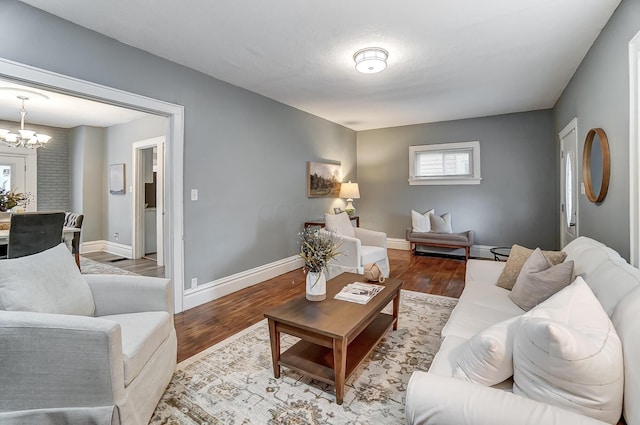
(358, 246)
(81, 349)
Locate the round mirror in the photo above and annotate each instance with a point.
(596, 165)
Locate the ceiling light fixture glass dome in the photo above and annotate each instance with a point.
(371, 60)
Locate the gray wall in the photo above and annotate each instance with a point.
(245, 153)
(119, 139)
(598, 95)
(53, 165)
(514, 203)
(86, 153)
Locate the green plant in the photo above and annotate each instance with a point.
(10, 199)
(316, 249)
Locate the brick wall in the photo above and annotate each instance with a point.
(53, 167)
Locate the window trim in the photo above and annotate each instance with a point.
(475, 177)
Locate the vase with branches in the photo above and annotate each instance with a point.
(317, 250)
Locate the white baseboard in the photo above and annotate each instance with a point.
(227, 285)
(107, 246)
(396, 243)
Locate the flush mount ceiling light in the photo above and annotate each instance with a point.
(371, 60)
(25, 138)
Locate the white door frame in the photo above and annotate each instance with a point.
(567, 130)
(31, 171)
(138, 196)
(634, 150)
(37, 77)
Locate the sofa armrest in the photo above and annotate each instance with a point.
(371, 237)
(484, 272)
(434, 399)
(55, 360)
(120, 294)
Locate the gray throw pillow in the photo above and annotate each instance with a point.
(539, 279)
(517, 258)
(47, 282)
(440, 224)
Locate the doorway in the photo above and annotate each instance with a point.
(148, 159)
(18, 172)
(569, 183)
(175, 149)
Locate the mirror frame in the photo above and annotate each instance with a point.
(586, 165)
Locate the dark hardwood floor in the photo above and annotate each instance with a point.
(208, 324)
(205, 325)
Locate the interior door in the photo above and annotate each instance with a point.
(569, 160)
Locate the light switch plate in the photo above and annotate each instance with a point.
(194, 194)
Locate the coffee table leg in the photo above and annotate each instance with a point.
(274, 336)
(396, 308)
(339, 366)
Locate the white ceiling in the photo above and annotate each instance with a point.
(59, 110)
(448, 59)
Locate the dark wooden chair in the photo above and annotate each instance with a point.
(74, 220)
(31, 233)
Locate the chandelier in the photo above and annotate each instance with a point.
(24, 138)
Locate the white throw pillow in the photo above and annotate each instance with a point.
(567, 353)
(421, 222)
(47, 282)
(441, 224)
(487, 357)
(340, 224)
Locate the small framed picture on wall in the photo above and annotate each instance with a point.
(116, 179)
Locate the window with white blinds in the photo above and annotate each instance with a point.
(447, 163)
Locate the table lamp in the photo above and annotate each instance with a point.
(350, 191)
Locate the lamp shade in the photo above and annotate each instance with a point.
(349, 190)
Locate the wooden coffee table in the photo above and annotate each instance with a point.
(335, 335)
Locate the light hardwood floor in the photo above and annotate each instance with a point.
(208, 324)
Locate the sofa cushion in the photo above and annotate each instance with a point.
(517, 257)
(539, 279)
(482, 272)
(487, 357)
(46, 282)
(440, 224)
(567, 353)
(611, 281)
(479, 307)
(576, 247)
(340, 224)
(421, 222)
(142, 335)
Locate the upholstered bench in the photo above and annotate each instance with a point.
(445, 240)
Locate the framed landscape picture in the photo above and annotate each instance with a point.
(116, 179)
(323, 179)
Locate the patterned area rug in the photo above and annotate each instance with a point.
(232, 382)
(88, 266)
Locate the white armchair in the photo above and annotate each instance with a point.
(97, 349)
(358, 246)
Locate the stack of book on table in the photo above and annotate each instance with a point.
(359, 292)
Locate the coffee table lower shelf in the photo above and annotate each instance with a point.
(316, 361)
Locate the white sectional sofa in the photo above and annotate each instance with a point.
(436, 397)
